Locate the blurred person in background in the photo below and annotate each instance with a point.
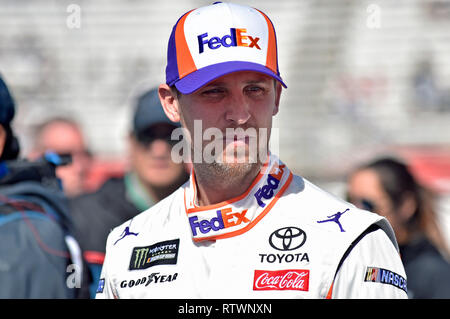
(64, 136)
(387, 187)
(152, 176)
(39, 257)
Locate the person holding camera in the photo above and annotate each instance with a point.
(39, 258)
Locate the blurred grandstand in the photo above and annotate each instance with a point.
(365, 78)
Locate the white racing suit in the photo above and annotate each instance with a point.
(282, 238)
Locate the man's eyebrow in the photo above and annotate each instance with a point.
(224, 84)
(214, 84)
(258, 81)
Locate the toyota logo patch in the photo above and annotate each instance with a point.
(287, 238)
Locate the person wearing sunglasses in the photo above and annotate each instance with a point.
(387, 187)
(152, 175)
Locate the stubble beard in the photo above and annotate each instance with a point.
(226, 172)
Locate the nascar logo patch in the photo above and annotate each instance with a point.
(384, 276)
(162, 253)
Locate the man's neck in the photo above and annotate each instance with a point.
(216, 185)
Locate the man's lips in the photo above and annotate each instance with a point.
(237, 139)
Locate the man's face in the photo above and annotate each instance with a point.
(65, 138)
(244, 101)
(150, 157)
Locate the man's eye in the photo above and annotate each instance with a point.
(255, 89)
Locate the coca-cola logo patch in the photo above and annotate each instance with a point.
(288, 279)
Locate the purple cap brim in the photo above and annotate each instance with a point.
(195, 80)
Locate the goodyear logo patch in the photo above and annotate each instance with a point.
(162, 253)
(384, 276)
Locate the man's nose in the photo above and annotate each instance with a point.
(238, 110)
(159, 147)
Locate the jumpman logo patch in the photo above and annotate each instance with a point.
(335, 218)
(126, 232)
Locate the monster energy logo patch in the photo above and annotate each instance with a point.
(162, 253)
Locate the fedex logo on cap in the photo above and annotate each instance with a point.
(225, 218)
(236, 38)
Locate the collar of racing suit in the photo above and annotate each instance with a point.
(237, 215)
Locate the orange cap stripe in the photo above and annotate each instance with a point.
(185, 61)
(271, 60)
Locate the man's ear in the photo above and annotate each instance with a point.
(169, 102)
(278, 89)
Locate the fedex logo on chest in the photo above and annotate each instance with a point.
(236, 38)
(225, 218)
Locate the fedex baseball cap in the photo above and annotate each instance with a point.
(215, 40)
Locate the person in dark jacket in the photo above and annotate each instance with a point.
(387, 187)
(39, 257)
(151, 177)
